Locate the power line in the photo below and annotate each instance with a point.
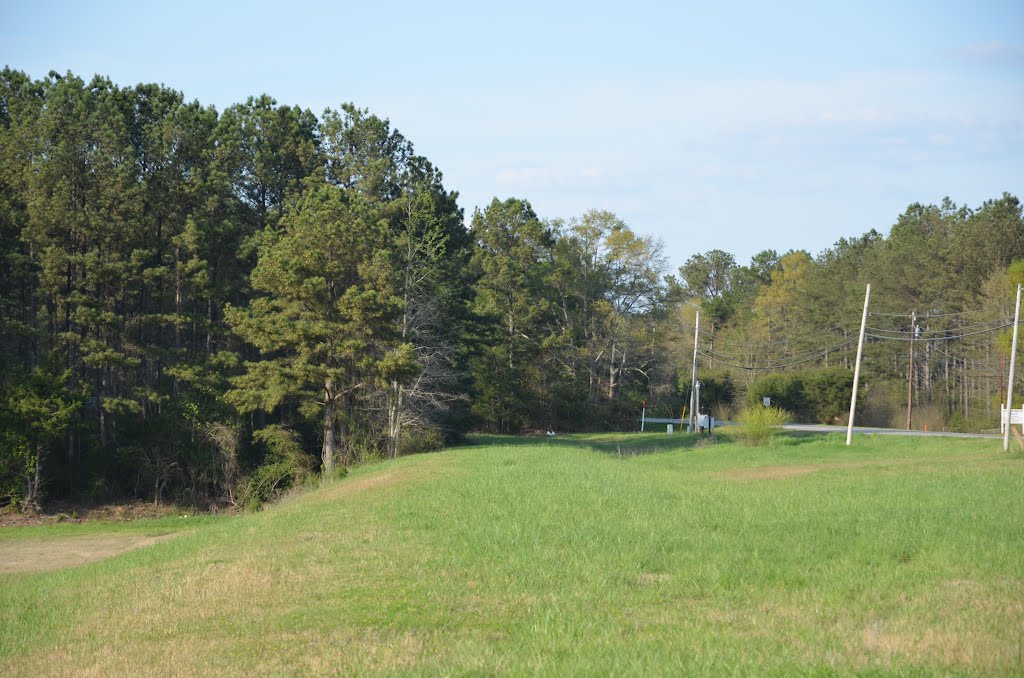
(790, 356)
(799, 354)
(981, 323)
(774, 366)
(928, 314)
(942, 338)
(719, 340)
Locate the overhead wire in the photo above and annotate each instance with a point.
(932, 337)
(921, 314)
(939, 338)
(729, 342)
(918, 330)
(790, 356)
(818, 350)
(772, 365)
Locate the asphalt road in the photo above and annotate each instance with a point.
(822, 428)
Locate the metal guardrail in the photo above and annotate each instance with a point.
(712, 422)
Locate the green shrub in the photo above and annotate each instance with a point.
(717, 390)
(759, 424)
(827, 393)
(415, 441)
(785, 389)
(286, 464)
(821, 395)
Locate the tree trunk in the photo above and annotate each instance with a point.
(611, 374)
(330, 445)
(395, 398)
(32, 495)
(99, 407)
(177, 300)
(209, 327)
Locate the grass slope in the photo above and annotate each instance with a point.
(635, 554)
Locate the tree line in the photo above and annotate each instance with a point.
(208, 306)
(942, 282)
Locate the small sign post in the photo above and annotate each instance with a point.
(766, 401)
(1016, 417)
(643, 414)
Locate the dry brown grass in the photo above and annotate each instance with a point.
(33, 555)
(345, 651)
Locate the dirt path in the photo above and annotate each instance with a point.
(34, 555)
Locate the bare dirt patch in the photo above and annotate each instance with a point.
(62, 512)
(346, 487)
(34, 555)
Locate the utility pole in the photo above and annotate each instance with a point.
(1002, 371)
(856, 368)
(693, 378)
(910, 368)
(1009, 382)
(696, 406)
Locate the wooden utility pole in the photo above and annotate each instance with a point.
(693, 378)
(696, 406)
(1009, 381)
(856, 368)
(1002, 371)
(910, 368)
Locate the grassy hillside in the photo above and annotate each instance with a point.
(635, 554)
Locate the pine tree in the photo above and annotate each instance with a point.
(324, 316)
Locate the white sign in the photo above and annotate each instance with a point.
(669, 429)
(766, 401)
(1016, 417)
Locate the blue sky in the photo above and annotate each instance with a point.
(743, 126)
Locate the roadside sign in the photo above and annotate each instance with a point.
(1016, 417)
(766, 401)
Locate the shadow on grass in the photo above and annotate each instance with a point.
(804, 437)
(638, 444)
(614, 444)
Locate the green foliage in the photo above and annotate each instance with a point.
(786, 390)
(17, 465)
(424, 440)
(758, 425)
(1015, 273)
(194, 272)
(324, 320)
(285, 464)
(821, 395)
(827, 393)
(35, 410)
(717, 389)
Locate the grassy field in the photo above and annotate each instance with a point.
(615, 554)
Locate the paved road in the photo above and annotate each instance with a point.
(822, 428)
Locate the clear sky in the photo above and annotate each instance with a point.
(742, 126)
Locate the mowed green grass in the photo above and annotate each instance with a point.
(591, 555)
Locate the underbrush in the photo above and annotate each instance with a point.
(758, 425)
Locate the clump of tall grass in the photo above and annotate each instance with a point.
(758, 424)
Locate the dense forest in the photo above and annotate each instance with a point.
(208, 307)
